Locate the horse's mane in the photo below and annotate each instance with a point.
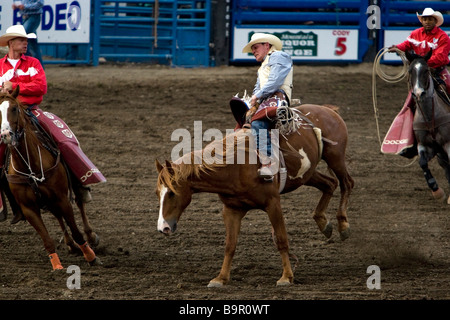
(217, 154)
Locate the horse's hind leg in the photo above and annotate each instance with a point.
(437, 192)
(327, 185)
(92, 237)
(346, 184)
(71, 246)
(64, 209)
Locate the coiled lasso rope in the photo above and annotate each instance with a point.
(388, 78)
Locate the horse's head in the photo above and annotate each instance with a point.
(10, 109)
(174, 196)
(419, 74)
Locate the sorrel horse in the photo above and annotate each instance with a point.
(431, 121)
(241, 189)
(38, 179)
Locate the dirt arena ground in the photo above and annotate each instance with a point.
(124, 115)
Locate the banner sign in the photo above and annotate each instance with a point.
(304, 44)
(62, 21)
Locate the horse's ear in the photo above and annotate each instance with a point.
(15, 92)
(428, 55)
(410, 55)
(169, 167)
(158, 165)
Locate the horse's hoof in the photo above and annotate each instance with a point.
(328, 230)
(72, 249)
(94, 242)
(439, 194)
(95, 262)
(283, 283)
(215, 284)
(345, 234)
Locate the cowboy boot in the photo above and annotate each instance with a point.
(18, 216)
(17, 212)
(85, 194)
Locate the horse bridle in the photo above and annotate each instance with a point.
(16, 136)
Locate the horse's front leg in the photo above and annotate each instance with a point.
(33, 216)
(424, 157)
(279, 229)
(232, 219)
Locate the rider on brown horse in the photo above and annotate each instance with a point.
(273, 88)
(17, 69)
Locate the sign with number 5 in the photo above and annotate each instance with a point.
(341, 48)
(306, 44)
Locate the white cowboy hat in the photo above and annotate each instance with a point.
(262, 38)
(428, 12)
(16, 31)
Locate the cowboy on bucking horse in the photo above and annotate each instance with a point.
(273, 88)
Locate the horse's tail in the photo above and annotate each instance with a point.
(332, 107)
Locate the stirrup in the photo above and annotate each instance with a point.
(267, 175)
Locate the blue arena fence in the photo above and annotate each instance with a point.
(178, 33)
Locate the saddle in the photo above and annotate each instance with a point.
(285, 119)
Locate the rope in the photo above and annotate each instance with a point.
(30, 175)
(387, 78)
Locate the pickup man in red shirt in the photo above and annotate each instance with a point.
(421, 41)
(17, 69)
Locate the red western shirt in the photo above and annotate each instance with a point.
(29, 75)
(421, 42)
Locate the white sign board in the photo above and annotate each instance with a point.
(63, 21)
(392, 37)
(304, 44)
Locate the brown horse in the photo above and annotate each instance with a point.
(241, 189)
(38, 179)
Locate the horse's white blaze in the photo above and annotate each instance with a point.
(417, 90)
(305, 165)
(3, 109)
(161, 222)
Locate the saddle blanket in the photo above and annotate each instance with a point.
(68, 144)
(400, 135)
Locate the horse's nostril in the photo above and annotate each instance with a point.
(166, 230)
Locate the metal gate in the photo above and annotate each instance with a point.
(158, 31)
(174, 32)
